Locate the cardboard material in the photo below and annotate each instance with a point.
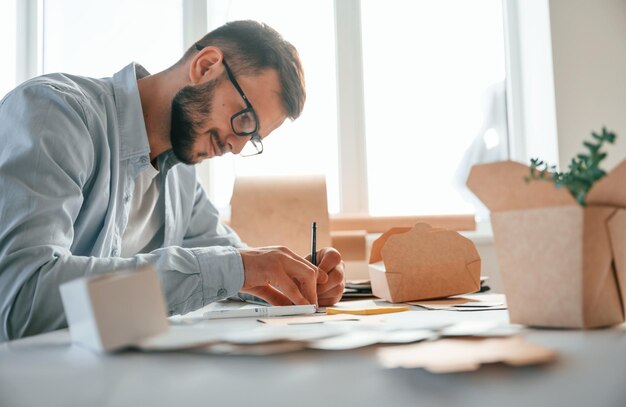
(464, 355)
(351, 244)
(477, 302)
(114, 310)
(410, 264)
(562, 265)
(307, 320)
(380, 224)
(269, 211)
(365, 310)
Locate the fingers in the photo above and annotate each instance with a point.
(330, 291)
(270, 294)
(281, 268)
(329, 259)
(302, 293)
(331, 297)
(335, 278)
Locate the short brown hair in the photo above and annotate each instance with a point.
(250, 47)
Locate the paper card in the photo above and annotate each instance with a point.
(423, 263)
(364, 310)
(352, 340)
(305, 320)
(485, 304)
(469, 328)
(463, 355)
(271, 333)
(475, 302)
(480, 328)
(358, 304)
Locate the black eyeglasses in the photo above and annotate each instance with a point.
(245, 122)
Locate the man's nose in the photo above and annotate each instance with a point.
(238, 143)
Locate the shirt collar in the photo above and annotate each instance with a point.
(132, 128)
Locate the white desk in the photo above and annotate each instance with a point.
(46, 370)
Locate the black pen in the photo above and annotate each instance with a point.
(314, 243)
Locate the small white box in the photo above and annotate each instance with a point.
(114, 310)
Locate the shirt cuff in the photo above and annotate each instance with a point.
(221, 272)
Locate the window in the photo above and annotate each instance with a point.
(309, 144)
(432, 71)
(100, 38)
(428, 67)
(432, 87)
(8, 34)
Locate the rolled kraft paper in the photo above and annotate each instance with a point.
(268, 211)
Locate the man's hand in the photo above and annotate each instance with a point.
(329, 292)
(281, 277)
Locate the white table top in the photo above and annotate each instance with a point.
(47, 370)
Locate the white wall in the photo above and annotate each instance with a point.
(589, 62)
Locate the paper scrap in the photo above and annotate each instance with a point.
(351, 340)
(365, 310)
(477, 302)
(314, 319)
(463, 355)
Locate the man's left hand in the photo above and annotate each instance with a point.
(329, 262)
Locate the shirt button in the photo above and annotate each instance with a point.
(126, 198)
(144, 160)
(221, 292)
(115, 253)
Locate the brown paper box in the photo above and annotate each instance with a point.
(423, 262)
(562, 264)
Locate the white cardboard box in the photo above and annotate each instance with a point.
(114, 310)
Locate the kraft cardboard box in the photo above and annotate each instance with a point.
(562, 265)
(114, 310)
(410, 264)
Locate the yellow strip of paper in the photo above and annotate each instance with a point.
(365, 311)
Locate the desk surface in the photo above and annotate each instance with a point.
(47, 370)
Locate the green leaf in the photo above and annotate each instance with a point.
(584, 169)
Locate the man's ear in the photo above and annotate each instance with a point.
(206, 65)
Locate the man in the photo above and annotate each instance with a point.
(96, 175)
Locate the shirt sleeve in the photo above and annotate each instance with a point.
(45, 163)
(206, 230)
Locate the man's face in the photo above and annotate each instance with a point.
(201, 113)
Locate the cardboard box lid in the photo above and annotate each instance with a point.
(501, 187)
(377, 245)
(423, 262)
(609, 190)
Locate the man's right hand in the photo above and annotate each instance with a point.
(279, 276)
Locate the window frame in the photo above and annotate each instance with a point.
(352, 149)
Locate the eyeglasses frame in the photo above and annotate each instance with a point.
(255, 139)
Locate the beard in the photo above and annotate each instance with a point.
(190, 108)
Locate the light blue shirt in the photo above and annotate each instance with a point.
(70, 149)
